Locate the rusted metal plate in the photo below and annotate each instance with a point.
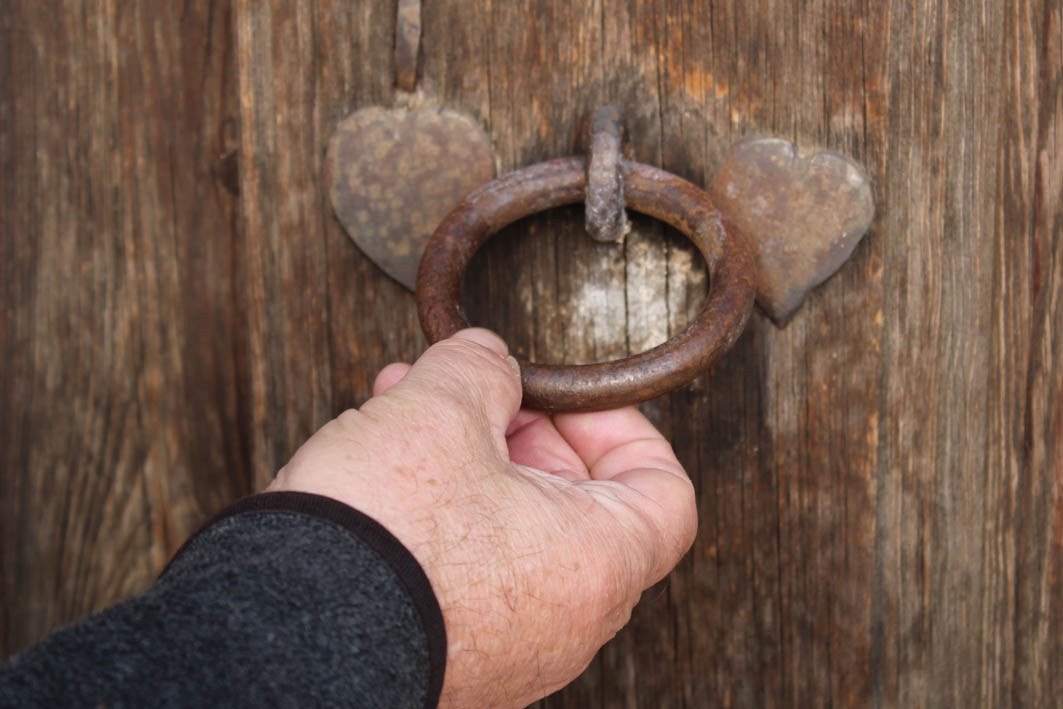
(394, 174)
(803, 215)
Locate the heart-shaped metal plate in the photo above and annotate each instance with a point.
(803, 215)
(394, 174)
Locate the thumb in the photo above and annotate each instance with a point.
(468, 373)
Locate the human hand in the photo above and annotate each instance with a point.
(537, 533)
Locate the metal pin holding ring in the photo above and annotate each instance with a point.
(604, 194)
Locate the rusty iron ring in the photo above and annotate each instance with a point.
(647, 189)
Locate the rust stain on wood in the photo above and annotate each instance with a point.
(407, 43)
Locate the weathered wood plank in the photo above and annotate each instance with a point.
(282, 259)
(880, 483)
(1027, 430)
(119, 426)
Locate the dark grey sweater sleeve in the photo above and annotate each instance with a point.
(284, 599)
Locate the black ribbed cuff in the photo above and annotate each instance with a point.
(371, 533)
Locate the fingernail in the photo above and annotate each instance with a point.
(513, 364)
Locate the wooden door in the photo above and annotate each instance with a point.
(880, 483)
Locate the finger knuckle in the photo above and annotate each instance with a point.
(468, 365)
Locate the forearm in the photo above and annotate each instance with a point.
(286, 600)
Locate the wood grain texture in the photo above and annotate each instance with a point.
(880, 483)
(120, 427)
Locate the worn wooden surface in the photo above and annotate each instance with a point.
(880, 483)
